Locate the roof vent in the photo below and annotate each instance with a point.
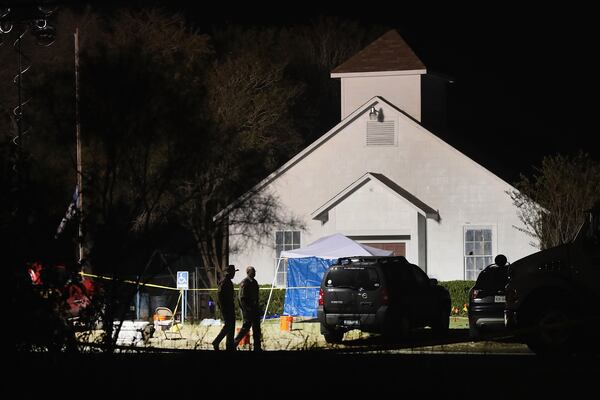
(381, 133)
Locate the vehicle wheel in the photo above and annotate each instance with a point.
(442, 324)
(398, 328)
(552, 333)
(404, 328)
(333, 336)
(474, 332)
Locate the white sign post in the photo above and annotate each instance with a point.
(183, 280)
(183, 284)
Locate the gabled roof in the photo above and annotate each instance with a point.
(304, 153)
(428, 211)
(323, 139)
(388, 53)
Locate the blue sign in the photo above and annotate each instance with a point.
(183, 280)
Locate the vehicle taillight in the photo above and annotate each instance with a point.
(321, 302)
(385, 298)
(474, 293)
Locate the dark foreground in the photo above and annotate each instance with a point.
(317, 374)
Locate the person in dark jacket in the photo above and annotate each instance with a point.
(250, 309)
(226, 305)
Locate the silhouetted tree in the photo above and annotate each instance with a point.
(251, 131)
(552, 203)
(315, 50)
(177, 126)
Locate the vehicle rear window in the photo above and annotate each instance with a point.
(492, 278)
(353, 277)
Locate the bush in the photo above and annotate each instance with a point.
(459, 295)
(277, 300)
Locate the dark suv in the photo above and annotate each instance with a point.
(487, 298)
(552, 296)
(380, 294)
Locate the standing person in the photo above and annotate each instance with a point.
(250, 308)
(227, 307)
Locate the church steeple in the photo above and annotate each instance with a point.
(388, 68)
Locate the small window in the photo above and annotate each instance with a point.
(478, 251)
(284, 240)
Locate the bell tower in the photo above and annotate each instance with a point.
(387, 68)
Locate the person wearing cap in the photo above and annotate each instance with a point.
(226, 305)
(250, 309)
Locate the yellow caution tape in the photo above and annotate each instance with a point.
(174, 288)
(128, 281)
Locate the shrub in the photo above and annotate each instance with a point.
(277, 299)
(459, 295)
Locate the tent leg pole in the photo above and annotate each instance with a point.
(271, 292)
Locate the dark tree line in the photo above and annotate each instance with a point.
(552, 203)
(169, 117)
(176, 125)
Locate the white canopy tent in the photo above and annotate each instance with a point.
(328, 247)
(335, 246)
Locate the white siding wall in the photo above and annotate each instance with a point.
(375, 210)
(463, 192)
(403, 90)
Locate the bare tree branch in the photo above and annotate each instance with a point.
(553, 202)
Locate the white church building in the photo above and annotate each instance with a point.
(380, 178)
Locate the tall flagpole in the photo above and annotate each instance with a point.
(78, 138)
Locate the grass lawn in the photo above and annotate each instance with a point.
(459, 323)
(305, 335)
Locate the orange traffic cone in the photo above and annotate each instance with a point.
(245, 340)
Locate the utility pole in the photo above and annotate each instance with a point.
(79, 162)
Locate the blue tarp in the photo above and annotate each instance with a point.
(307, 271)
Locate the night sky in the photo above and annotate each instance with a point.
(524, 81)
